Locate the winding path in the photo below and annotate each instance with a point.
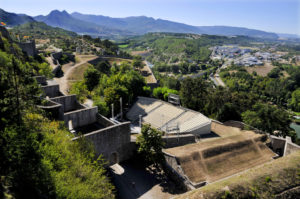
(68, 69)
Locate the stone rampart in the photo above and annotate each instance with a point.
(178, 140)
(51, 90)
(41, 80)
(112, 142)
(104, 121)
(81, 117)
(28, 48)
(68, 102)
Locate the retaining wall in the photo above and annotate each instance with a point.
(112, 140)
(53, 110)
(69, 102)
(28, 47)
(81, 117)
(283, 146)
(51, 90)
(174, 140)
(41, 80)
(104, 121)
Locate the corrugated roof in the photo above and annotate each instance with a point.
(161, 114)
(194, 123)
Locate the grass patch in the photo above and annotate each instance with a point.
(123, 46)
(78, 72)
(260, 70)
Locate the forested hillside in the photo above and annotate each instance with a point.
(38, 158)
(12, 19)
(40, 30)
(173, 47)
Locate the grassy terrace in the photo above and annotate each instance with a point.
(277, 179)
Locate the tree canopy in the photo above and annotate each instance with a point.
(150, 145)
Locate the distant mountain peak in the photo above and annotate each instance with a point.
(100, 25)
(13, 19)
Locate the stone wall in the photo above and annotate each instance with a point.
(28, 48)
(112, 142)
(57, 55)
(175, 172)
(104, 121)
(41, 80)
(69, 103)
(53, 110)
(5, 33)
(81, 117)
(290, 148)
(283, 146)
(174, 140)
(51, 90)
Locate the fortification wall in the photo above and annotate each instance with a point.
(57, 55)
(112, 142)
(104, 121)
(28, 47)
(51, 90)
(174, 140)
(174, 171)
(5, 33)
(69, 103)
(52, 109)
(41, 80)
(291, 148)
(81, 117)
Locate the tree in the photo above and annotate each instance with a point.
(163, 93)
(137, 62)
(103, 108)
(103, 67)
(112, 96)
(91, 78)
(80, 90)
(267, 118)
(274, 73)
(150, 145)
(37, 157)
(295, 100)
(193, 93)
(228, 112)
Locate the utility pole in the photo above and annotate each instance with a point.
(140, 116)
(121, 108)
(112, 111)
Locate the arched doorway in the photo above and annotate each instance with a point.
(114, 158)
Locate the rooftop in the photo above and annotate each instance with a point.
(162, 115)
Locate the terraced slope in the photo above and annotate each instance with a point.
(215, 159)
(277, 179)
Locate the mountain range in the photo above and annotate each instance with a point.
(98, 25)
(13, 19)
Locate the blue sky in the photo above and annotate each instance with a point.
(281, 16)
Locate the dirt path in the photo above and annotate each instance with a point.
(50, 61)
(68, 69)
